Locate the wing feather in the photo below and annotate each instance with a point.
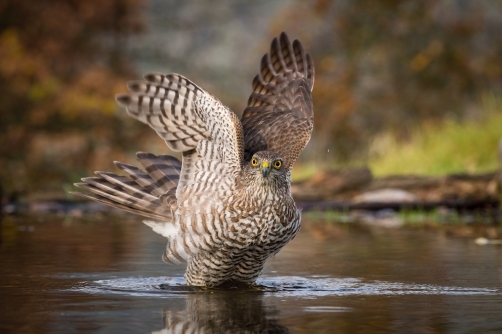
(279, 116)
(186, 116)
(149, 193)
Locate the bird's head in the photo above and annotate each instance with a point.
(266, 168)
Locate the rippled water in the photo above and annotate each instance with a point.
(105, 275)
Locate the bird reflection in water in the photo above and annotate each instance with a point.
(223, 311)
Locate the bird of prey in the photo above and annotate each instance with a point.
(227, 206)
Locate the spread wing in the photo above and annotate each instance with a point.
(149, 192)
(190, 120)
(279, 116)
(209, 134)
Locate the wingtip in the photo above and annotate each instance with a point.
(141, 155)
(104, 174)
(133, 85)
(298, 44)
(91, 178)
(284, 37)
(121, 165)
(275, 41)
(152, 77)
(264, 59)
(123, 99)
(76, 193)
(311, 74)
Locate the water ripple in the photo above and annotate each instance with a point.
(283, 286)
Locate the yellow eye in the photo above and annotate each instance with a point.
(277, 164)
(254, 162)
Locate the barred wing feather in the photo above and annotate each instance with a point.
(147, 193)
(189, 119)
(279, 116)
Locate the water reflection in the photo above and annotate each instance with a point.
(106, 275)
(283, 302)
(223, 312)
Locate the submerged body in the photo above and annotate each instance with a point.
(227, 206)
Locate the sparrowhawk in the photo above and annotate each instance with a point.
(227, 206)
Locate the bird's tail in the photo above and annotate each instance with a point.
(150, 193)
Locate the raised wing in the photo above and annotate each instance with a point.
(279, 116)
(190, 120)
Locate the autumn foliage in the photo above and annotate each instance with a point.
(389, 65)
(61, 64)
(381, 67)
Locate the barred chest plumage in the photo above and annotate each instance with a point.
(266, 218)
(251, 226)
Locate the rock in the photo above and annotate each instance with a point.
(387, 195)
(483, 241)
(328, 183)
(406, 182)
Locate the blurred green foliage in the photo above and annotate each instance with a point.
(390, 65)
(453, 147)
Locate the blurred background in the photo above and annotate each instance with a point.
(402, 86)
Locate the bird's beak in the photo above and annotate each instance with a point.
(265, 168)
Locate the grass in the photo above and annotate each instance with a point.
(415, 218)
(452, 147)
(305, 171)
(329, 216)
(441, 217)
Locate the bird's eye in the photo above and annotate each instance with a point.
(277, 164)
(254, 162)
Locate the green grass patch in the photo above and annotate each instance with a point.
(451, 147)
(329, 216)
(305, 171)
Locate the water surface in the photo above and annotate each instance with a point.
(105, 275)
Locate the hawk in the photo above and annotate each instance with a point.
(227, 206)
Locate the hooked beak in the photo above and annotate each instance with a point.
(265, 169)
